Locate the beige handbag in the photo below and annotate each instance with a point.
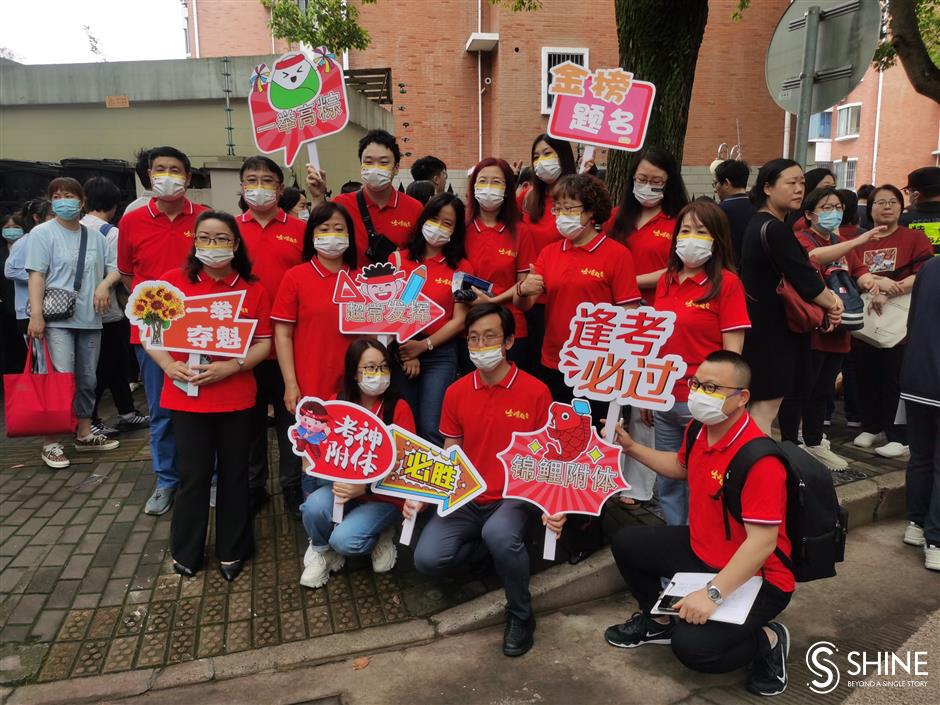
(889, 328)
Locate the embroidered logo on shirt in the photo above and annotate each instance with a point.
(589, 272)
(667, 234)
(443, 281)
(286, 238)
(718, 477)
(515, 414)
(691, 304)
(402, 223)
(188, 233)
(506, 252)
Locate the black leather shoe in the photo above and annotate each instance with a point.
(232, 570)
(518, 636)
(180, 569)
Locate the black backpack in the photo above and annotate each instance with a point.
(816, 522)
(841, 282)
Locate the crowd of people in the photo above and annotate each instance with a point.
(548, 236)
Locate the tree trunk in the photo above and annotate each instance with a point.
(659, 42)
(909, 45)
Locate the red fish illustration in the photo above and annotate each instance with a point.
(569, 432)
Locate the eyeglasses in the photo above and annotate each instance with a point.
(222, 240)
(573, 210)
(887, 203)
(831, 209)
(374, 369)
(708, 387)
(486, 341)
(267, 182)
(644, 181)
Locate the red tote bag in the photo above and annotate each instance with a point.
(39, 404)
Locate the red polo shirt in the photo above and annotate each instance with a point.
(274, 248)
(649, 245)
(484, 419)
(238, 391)
(438, 285)
(499, 257)
(544, 232)
(763, 500)
(395, 220)
(305, 299)
(699, 325)
(151, 244)
(601, 271)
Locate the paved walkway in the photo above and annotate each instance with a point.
(86, 584)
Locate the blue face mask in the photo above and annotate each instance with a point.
(67, 208)
(830, 220)
(12, 234)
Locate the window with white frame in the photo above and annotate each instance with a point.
(845, 173)
(820, 126)
(551, 57)
(849, 117)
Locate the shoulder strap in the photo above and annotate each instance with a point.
(364, 213)
(737, 472)
(80, 270)
(763, 242)
(105, 229)
(691, 434)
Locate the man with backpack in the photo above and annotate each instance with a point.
(752, 541)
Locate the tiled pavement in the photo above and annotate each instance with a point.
(86, 585)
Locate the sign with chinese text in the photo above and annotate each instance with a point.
(564, 467)
(297, 100)
(341, 441)
(612, 354)
(427, 473)
(383, 300)
(605, 108)
(208, 324)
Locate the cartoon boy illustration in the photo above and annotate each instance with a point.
(313, 426)
(294, 82)
(381, 282)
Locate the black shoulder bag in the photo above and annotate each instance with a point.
(59, 304)
(380, 247)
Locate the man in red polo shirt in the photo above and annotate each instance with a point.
(275, 243)
(646, 554)
(155, 239)
(480, 413)
(392, 212)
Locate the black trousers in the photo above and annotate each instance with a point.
(206, 442)
(814, 386)
(113, 372)
(271, 391)
(646, 554)
(13, 349)
(878, 373)
(535, 324)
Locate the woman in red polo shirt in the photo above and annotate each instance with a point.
(498, 247)
(645, 220)
(702, 289)
(310, 346)
(368, 525)
(213, 428)
(429, 361)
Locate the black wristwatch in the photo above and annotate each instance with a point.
(714, 594)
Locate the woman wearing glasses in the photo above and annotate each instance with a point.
(368, 525)
(646, 218)
(893, 260)
(213, 428)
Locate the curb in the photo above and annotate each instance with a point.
(867, 501)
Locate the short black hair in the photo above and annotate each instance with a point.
(263, 164)
(506, 318)
(381, 137)
(142, 167)
(426, 168)
(812, 199)
(172, 152)
(768, 174)
(290, 197)
(350, 187)
(850, 203)
(421, 190)
(884, 187)
(733, 170)
(101, 194)
(864, 191)
(742, 370)
(814, 176)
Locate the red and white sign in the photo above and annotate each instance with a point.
(605, 108)
(381, 299)
(301, 98)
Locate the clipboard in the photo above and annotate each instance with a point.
(734, 609)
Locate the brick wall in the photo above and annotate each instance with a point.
(229, 28)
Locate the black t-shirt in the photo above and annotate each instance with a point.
(926, 218)
(739, 210)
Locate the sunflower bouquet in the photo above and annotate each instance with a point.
(153, 306)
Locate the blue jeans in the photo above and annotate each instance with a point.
(310, 484)
(363, 522)
(673, 494)
(162, 441)
(425, 394)
(76, 350)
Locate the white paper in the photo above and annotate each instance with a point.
(641, 479)
(313, 156)
(191, 389)
(337, 511)
(407, 528)
(610, 423)
(733, 609)
(548, 553)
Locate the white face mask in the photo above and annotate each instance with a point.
(647, 195)
(376, 177)
(487, 359)
(260, 197)
(569, 226)
(548, 169)
(303, 215)
(215, 257)
(694, 250)
(490, 198)
(330, 244)
(435, 234)
(707, 408)
(374, 385)
(167, 187)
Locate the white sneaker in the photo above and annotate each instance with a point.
(913, 535)
(54, 456)
(824, 455)
(867, 440)
(385, 554)
(892, 450)
(932, 557)
(321, 565)
(308, 556)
